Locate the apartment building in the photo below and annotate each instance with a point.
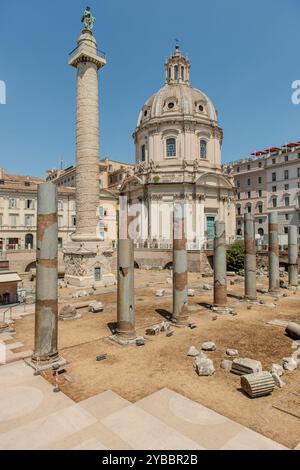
(268, 180)
(18, 206)
(111, 174)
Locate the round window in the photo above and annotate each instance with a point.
(171, 105)
(200, 107)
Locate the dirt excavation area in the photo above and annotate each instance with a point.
(135, 372)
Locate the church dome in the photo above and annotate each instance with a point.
(177, 98)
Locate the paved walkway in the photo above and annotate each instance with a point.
(33, 417)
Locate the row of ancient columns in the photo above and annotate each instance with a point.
(45, 347)
(220, 285)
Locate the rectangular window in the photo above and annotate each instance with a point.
(97, 275)
(259, 193)
(143, 153)
(60, 205)
(259, 180)
(249, 209)
(1, 219)
(298, 201)
(260, 208)
(12, 203)
(286, 201)
(273, 161)
(238, 183)
(239, 211)
(298, 172)
(28, 220)
(29, 204)
(274, 189)
(286, 216)
(73, 220)
(249, 181)
(286, 174)
(286, 230)
(249, 194)
(259, 164)
(274, 202)
(286, 158)
(171, 147)
(286, 187)
(239, 195)
(260, 221)
(13, 220)
(274, 176)
(238, 168)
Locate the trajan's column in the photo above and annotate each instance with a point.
(87, 258)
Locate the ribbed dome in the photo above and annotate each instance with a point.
(177, 99)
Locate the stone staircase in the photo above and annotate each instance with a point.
(33, 417)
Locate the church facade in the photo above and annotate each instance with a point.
(178, 159)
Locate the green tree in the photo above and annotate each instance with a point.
(235, 257)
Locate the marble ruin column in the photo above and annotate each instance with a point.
(250, 257)
(273, 253)
(85, 252)
(180, 288)
(125, 296)
(220, 279)
(46, 314)
(293, 255)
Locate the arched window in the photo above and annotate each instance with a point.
(176, 72)
(171, 147)
(182, 73)
(203, 148)
(143, 153)
(169, 73)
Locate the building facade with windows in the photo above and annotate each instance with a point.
(18, 209)
(111, 174)
(268, 180)
(178, 158)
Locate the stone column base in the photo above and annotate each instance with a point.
(85, 261)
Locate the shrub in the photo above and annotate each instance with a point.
(235, 256)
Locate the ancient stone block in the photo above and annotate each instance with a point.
(245, 365)
(193, 352)
(204, 366)
(232, 352)
(208, 346)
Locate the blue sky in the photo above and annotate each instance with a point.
(243, 54)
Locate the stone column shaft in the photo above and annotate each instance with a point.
(87, 152)
(273, 253)
(250, 257)
(125, 302)
(180, 288)
(220, 279)
(293, 255)
(46, 315)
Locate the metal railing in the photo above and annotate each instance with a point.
(91, 50)
(163, 244)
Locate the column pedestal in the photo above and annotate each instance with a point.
(88, 264)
